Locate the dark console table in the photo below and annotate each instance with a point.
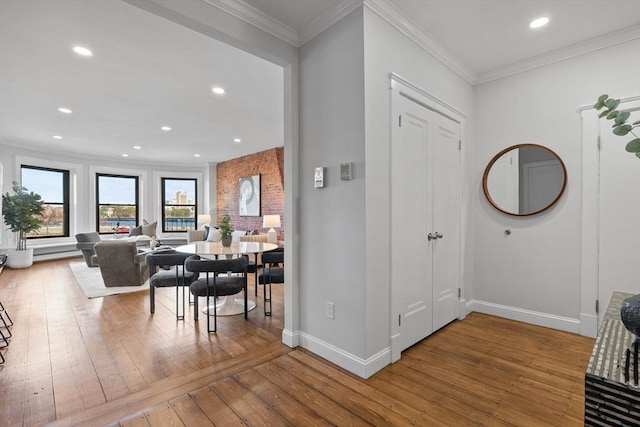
(610, 398)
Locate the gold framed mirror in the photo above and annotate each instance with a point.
(524, 179)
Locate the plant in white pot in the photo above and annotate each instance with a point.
(20, 212)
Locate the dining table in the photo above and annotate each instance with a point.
(227, 306)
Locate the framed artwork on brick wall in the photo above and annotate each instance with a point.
(249, 195)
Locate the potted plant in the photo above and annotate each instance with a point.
(225, 230)
(20, 212)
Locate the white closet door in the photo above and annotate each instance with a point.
(411, 265)
(424, 223)
(619, 211)
(446, 211)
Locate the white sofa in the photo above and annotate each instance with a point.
(198, 235)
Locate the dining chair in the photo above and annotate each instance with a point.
(170, 274)
(223, 277)
(272, 272)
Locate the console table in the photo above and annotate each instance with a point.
(609, 399)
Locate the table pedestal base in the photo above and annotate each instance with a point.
(229, 306)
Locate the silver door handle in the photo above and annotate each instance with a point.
(438, 235)
(431, 237)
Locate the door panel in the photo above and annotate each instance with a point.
(408, 225)
(446, 136)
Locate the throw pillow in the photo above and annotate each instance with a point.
(206, 231)
(149, 229)
(136, 231)
(214, 235)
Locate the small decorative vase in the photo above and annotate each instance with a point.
(226, 241)
(630, 314)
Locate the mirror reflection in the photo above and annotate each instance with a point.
(524, 179)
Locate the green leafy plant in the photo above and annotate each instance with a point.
(225, 226)
(19, 211)
(620, 125)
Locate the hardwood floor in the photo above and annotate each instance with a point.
(107, 361)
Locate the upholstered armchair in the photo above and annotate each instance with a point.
(121, 264)
(86, 243)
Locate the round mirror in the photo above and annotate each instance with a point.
(524, 179)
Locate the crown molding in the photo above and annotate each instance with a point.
(327, 19)
(558, 55)
(390, 13)
(257, 18)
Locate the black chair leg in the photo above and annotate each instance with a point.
(267, 312)
(6, 314)
(152, 299)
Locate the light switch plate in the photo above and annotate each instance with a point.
(345, 171)
(318, 178)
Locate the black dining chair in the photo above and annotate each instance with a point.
(223, 277)
(272, 272)
(171, 273)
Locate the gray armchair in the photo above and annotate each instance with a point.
(121, 264)
(86, 242)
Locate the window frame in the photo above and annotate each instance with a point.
(136, 180)
(163, 205)
(66, 199)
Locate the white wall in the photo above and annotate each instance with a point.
(534, 274)
(332, 218)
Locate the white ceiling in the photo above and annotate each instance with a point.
(148, 72)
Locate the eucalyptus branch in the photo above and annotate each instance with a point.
(620, 125)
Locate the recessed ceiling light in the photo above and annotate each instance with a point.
(539, 22)
(65, 110)
(237, 140)
(137, 147)
(82, 51)
(57, 137)
(125, 155)
(218, 90)
(165, 128)
(196, 155)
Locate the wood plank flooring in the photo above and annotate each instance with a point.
(107, 361)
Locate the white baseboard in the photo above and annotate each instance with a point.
(588, 325)
(356, 365)
(547, 320)
(291, 339)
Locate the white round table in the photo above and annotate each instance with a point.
(227, 306)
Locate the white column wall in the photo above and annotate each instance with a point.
(533, 275)
(332, 218)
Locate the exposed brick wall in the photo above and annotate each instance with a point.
(270, 165)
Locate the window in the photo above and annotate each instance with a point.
(179, 203)
(53, 186)
(117, 208)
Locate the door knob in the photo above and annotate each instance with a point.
(431, 237)
(438, 235)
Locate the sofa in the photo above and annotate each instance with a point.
(212, 235)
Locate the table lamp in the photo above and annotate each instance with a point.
(271, 221)
(204, 219)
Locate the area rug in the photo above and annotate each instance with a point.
(90, 280)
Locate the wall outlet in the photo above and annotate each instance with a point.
(330, 310)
